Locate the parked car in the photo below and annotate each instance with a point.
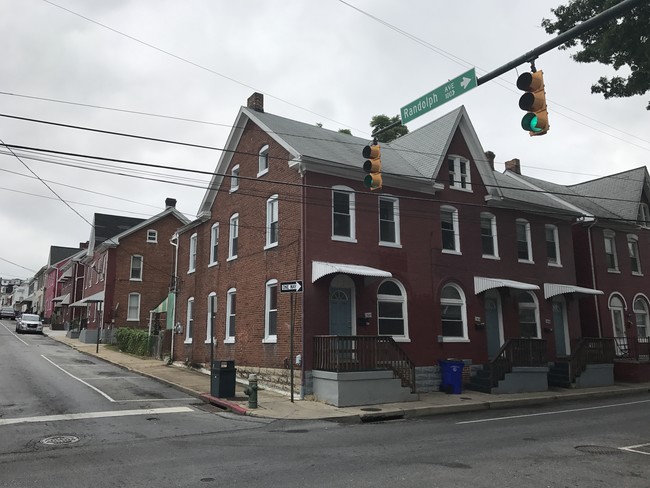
(29, 322)
(7, 313)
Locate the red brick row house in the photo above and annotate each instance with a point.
(451, 259)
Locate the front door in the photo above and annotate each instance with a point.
(493, 322)
(560, 327)
(340, 311)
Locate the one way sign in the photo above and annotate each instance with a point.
(291, 286)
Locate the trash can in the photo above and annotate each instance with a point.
(223, 375)
(451, 372)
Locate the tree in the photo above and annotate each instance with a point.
(379, 122)
(619, 42)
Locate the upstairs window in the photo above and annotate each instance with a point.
(214, 243)
(459, 174)
(263, 161)
(136, 268)
(152, 235)
(610, 250)
(389, 232)
(449, 229)
(552, 246)
(343, 219)
(272, 221)
(234, 178)
(489, 243)
(192, 261)
(633, 248)
(524, 246)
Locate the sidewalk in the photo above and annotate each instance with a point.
(278, 406)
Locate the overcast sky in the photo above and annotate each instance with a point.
(315, 61)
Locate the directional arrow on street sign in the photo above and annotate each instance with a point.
(450, 90)
(291, 286)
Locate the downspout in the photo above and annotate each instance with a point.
(593, 277)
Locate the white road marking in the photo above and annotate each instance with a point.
(556, 412)
(635, 449)
(95, 415)
(80, 380)
(14, 334)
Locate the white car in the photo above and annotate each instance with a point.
(29, 322)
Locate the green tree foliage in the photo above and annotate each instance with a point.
(379, 122)
(623, 42)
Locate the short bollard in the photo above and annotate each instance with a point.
(251, 391)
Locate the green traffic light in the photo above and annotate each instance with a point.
(529, 123)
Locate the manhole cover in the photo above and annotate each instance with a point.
(58, 440)
(598, 449)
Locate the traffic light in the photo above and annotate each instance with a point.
(534, 102)
(372, 166)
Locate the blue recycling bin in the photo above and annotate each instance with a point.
(451, 371)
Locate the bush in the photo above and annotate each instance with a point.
(133, 341)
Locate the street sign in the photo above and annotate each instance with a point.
(450, 90)
(291, 286)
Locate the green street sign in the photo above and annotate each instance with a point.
(450, 90)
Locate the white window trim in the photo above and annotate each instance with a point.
(189, 321)
(152, 235)
(263, 155)
(131, 278)
(457, 174)
(208, 324)
(214, 239)
(128, 307)
(403, 299)
(192, 255)
(396, 221)
(463, 303)
(495, 240)
(529, 242)
(269, 216)
(268, 338)
(228, 338)
(634, 238)
(556, 238)
(607, 235)
(234, 178)
(352, 211)
(233, 218)
(456, 228)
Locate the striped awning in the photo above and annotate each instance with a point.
(321, 268)
(554, 289)
(482, 284)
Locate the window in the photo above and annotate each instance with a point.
(272, 221)
(343, 225)
(453, 312)
(459, 175)
(136, 268)
(552, 245)
(193, 242)
(389, 232)
(633, 248)
(152, 235)
(610, 250)
(263, 161)
(231, 313)
(528, 316)
(234, 179)
(214, 243)
(641, 314)
(524, 249)
(391, 310)
(449, 228)
(212, 315)
(133, 308)
(643, 217)
(271, 313)
(489, 243)
(234, 237)
(190, 321)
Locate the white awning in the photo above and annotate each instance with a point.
(97, 297)
(554, 289)
(482, 284)
(321, 268)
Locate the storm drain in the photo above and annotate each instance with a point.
(598, 449)
(60, 440)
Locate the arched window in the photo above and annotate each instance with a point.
(528, 314)
(453, 312)
(391, 310)
(641, 314)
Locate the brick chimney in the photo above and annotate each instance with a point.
(514, 166)
(170, 202)
(256, 102)
(490, 158)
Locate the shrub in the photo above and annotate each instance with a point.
(133, 341)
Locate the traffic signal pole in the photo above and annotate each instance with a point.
(572, 33)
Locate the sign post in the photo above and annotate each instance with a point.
(292, 287)
(444, 93)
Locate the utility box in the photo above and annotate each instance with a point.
(223, 379)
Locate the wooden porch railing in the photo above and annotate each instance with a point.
(590, 350)
(634, 348)
(363, 353)
(517, 352)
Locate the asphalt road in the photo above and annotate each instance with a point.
(148, 435)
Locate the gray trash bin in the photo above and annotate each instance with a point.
(223, 379)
